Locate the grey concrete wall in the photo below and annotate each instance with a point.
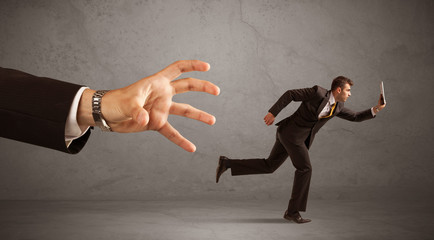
(257, 50)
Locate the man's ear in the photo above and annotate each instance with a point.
(339, 90)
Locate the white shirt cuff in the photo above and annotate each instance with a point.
(372, 111)
(72, 129)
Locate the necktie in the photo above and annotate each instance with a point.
(331, 111)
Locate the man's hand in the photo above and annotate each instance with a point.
(146, 104)
(379, 106)
(269, 119)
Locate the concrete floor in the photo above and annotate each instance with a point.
(205, 219)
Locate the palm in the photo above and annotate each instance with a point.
(158, 103)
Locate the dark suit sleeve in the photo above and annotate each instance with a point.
(350, 115)
(34, 110)
(303, 94)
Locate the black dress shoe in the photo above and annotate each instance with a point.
(295, 217)
(221, 168)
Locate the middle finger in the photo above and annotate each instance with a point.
(193, 84)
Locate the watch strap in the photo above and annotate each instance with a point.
(96, 111)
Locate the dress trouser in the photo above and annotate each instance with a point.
(281, 150)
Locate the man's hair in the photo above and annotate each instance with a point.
(340, 82)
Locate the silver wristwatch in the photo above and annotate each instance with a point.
(96, 111)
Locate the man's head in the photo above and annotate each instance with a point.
(341, 88)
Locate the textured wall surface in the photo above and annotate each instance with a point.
(257, 50)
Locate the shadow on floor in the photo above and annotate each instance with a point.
(248, 220)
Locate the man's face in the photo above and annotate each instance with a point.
(343, 93)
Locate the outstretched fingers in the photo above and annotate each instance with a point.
(186, 110)
(168, 74)
(193, 84)
(175, 69)
(174, 136)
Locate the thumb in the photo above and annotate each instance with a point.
(140, 116)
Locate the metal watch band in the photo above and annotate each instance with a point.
(96, 111)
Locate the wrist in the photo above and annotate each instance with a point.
(376, 109)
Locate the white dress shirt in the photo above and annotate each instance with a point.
(328, 107)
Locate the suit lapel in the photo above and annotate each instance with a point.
(323, 103)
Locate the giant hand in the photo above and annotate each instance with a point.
(146, 104)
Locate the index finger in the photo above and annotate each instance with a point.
(175, 69)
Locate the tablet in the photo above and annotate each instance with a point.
(383, 97)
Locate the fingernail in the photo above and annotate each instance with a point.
(213, 120)
(193, 149)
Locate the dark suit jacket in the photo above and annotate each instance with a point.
(34, 110)
(304, 123)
